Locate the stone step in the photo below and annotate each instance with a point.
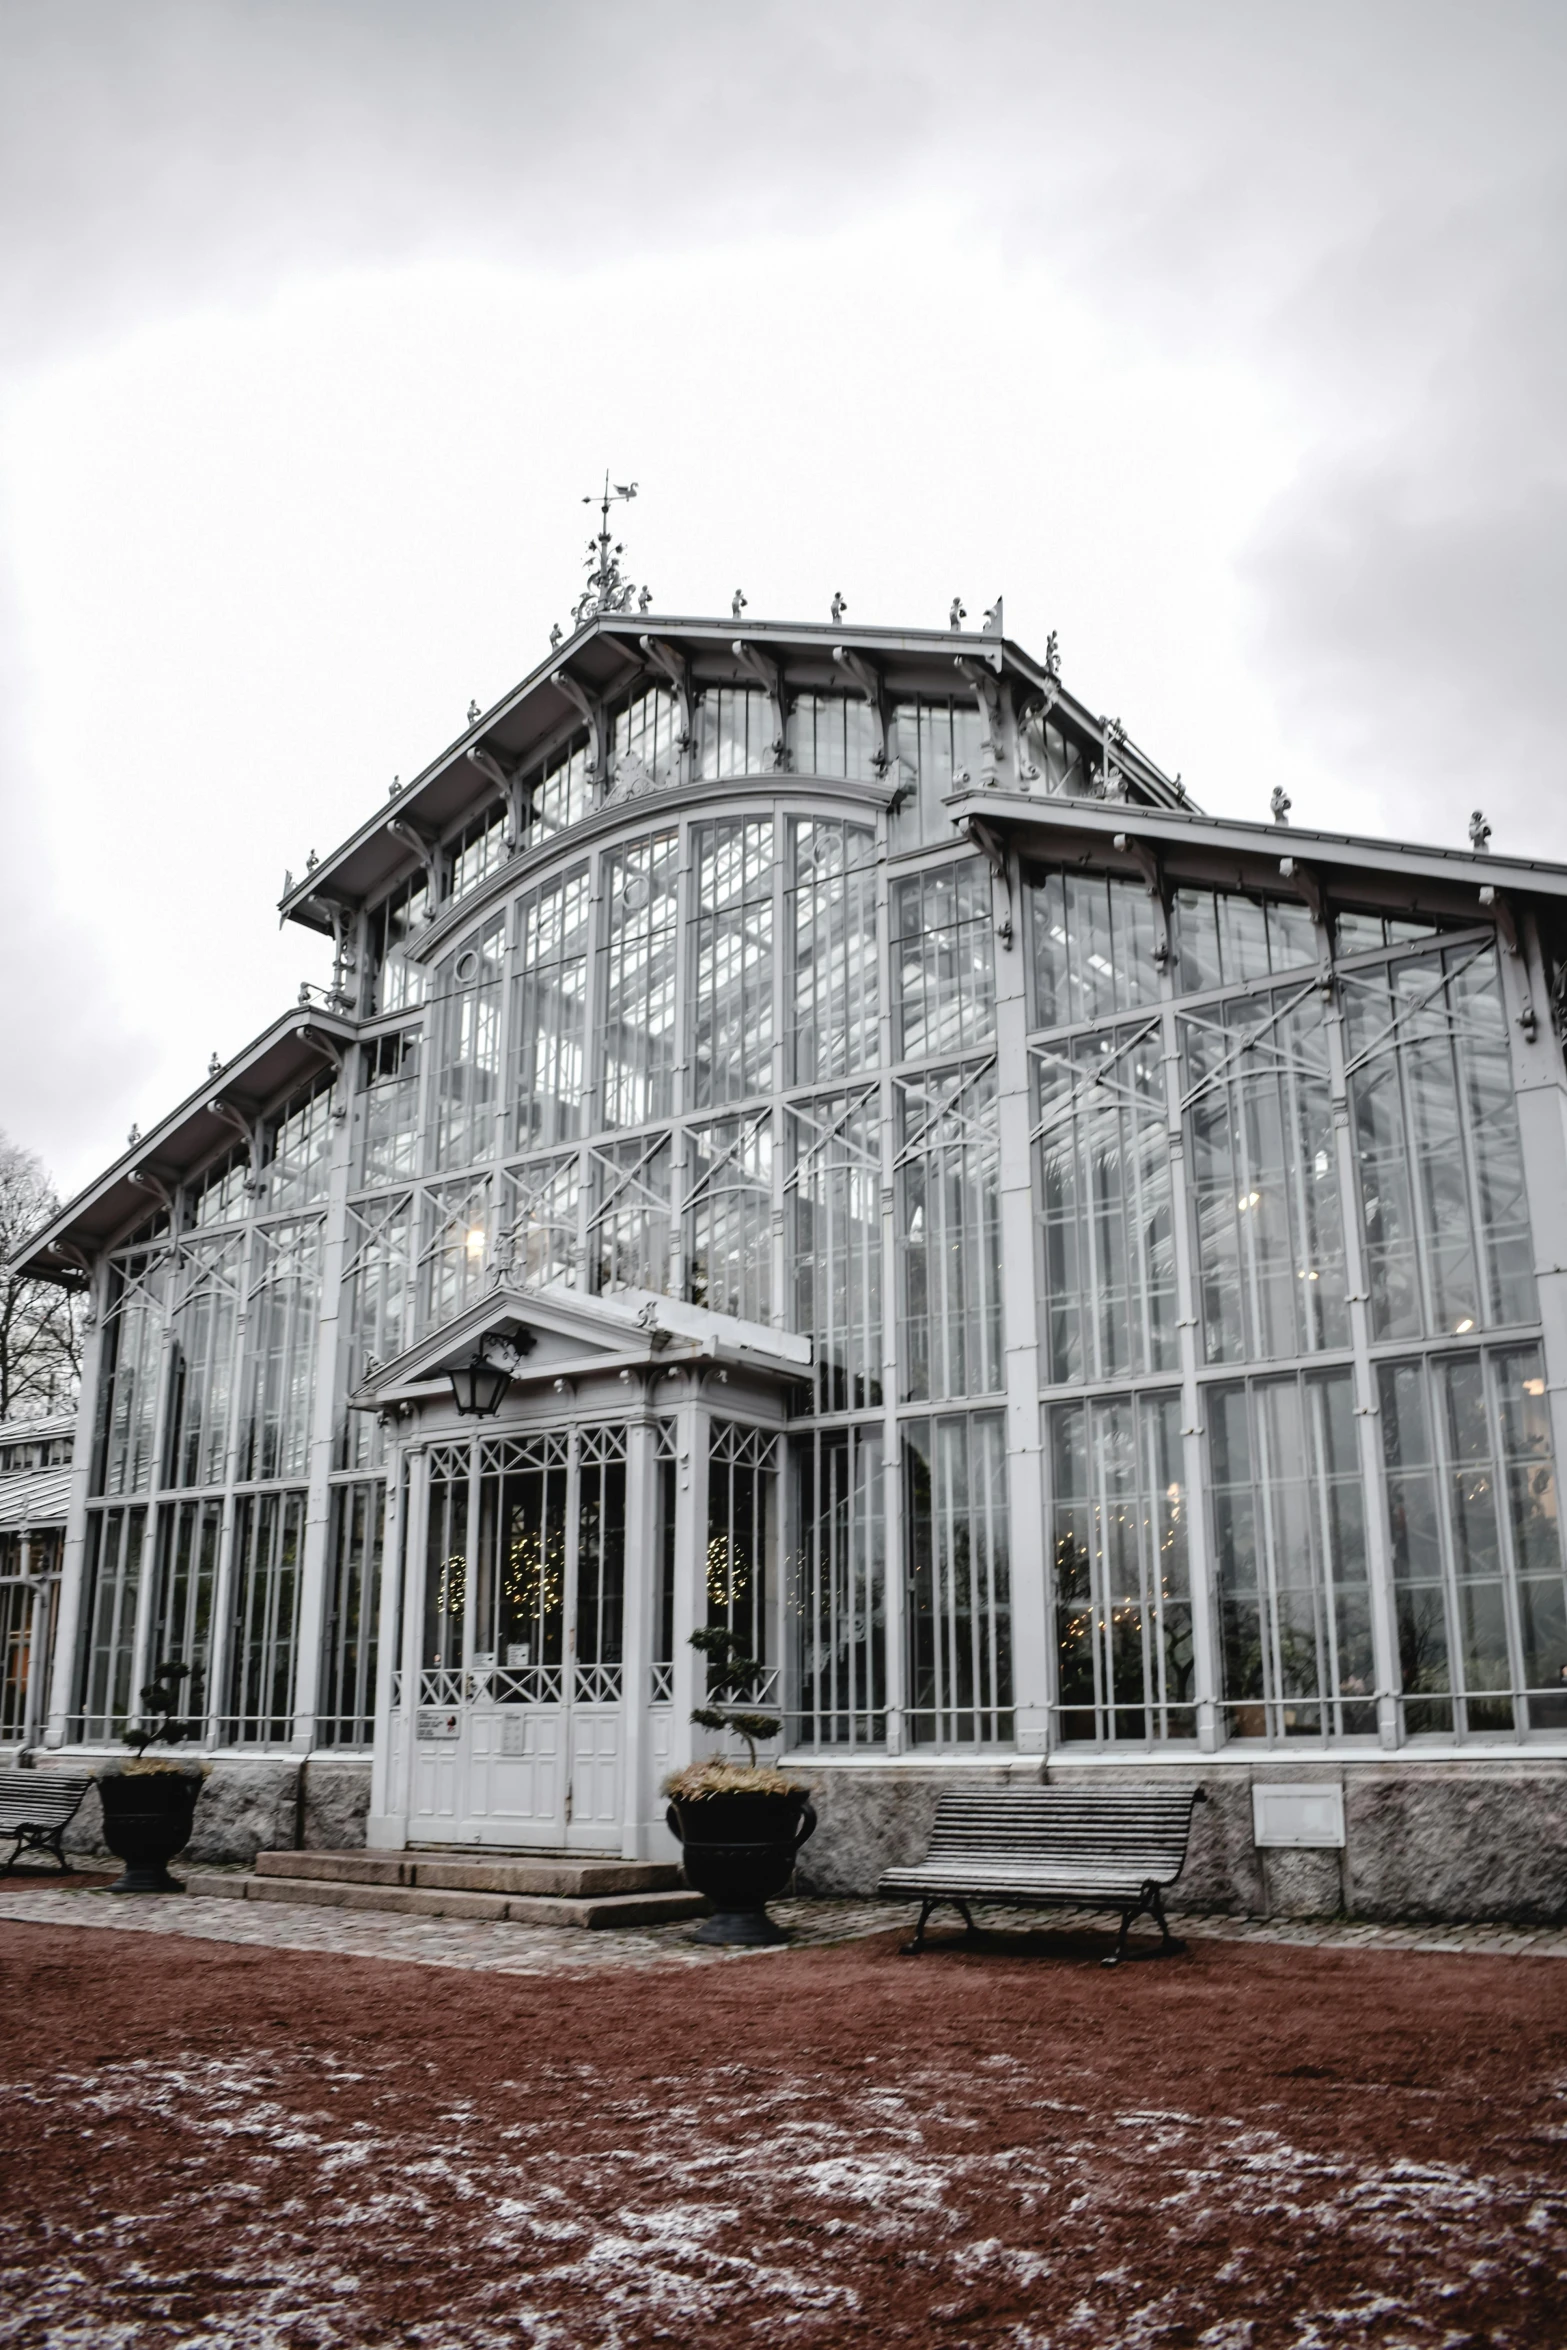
(562, 1876)
(595, 1910)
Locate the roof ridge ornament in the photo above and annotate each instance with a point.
(607, 589)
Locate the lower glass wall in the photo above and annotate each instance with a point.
(958, 1579)
(346, 1713)
(269, 1535)
(1477, 1553)
(1123, 1607)
(1289, 1526)
(837, 1597)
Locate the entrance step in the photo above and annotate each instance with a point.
(547, 1891)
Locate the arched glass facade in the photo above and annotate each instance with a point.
(1178, 1372)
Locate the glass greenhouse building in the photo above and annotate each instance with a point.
(1076, 1283)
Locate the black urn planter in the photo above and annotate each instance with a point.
(739, 1850)
(147, 1819)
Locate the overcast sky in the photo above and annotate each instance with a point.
(1225, 340)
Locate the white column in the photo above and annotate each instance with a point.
(73, 1554)
(1201, 1565)
(690, 1677)
(636, 1638)
(383, 1821)
(329, 1370)
(1031, 1661)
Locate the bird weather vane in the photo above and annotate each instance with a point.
(607, 590)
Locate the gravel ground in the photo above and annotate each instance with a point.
(216, 2142)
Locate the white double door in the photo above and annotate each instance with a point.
(535, 1749)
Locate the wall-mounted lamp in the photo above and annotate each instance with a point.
(479, 1386)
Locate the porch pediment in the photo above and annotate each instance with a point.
(547, 1333)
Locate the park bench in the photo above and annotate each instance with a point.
(35, 1809)
(1041, 1847)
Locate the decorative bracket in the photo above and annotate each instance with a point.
(1109, 775)
(861, 673)
(1309, 885)
(768, 674)
(1030, 702)
(569, 690)
(145, 1180)
(671, 665)
(425, 847)
(987, 692)
(1147, 860)
(1502, 911)
(228, 1115)
(508, 782)
(993, 849)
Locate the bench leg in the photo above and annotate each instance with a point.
(913, 1949)
(1150, 1903)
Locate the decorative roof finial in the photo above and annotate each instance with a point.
(134, 1136)
(839, 607)
(556, 633)
(474, 712)
(214, 1066)
(1479, 833)
(958, 614)
(737, 604)
(1053, 655)
(993, 619)
(1280, 804)
(608, 590)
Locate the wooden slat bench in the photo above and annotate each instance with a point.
(1041, 1847)
(36, 1807)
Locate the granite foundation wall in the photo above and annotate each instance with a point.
(1454, 1842)
(269, 1805)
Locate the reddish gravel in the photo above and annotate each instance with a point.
(1255, 2146)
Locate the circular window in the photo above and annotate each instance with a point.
(634, 896)
(467, 968)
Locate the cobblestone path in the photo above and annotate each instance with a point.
(540, 1950)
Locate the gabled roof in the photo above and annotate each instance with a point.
(143, 1177)
(557, 1333)
(606, 657)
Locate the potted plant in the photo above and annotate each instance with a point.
(739, 1824)
(150, 1802)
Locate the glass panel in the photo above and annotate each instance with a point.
(732, 1006)
(937, 746)
(395, 926)
(1107, 1250)
(1122, 1588)
(446, 1560)
(1294, 1601)
(834, 734)
(522, 1554)
(539, 1215)
(269, 1530)
(943, 960)
(203, 1328)
(959, 1587)
(16, 1638)
(1436, 1134)
(833, 996)
(838, 1590)
(455, 1250)
(280, 1351)
(949, 1234)
(478, 850)
(1264, 1169)
(731, 1219)
(1051, 758)
(467, 1072)
(636, 1018)
(834, 1206)
(601, 1547)
(647, 743)
(181, 1633)
(111, 1584)
(128, 1375)
(377, 1314)
(736, 732)
(1093, 941)
(1223, 939)
(549, 1008)
(348, 1654)
(741, 1534)
(389, 1107)
(563, 792)
(633, 1218)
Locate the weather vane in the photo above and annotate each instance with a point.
(607, 589)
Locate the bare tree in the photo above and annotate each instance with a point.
(40, 1323)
